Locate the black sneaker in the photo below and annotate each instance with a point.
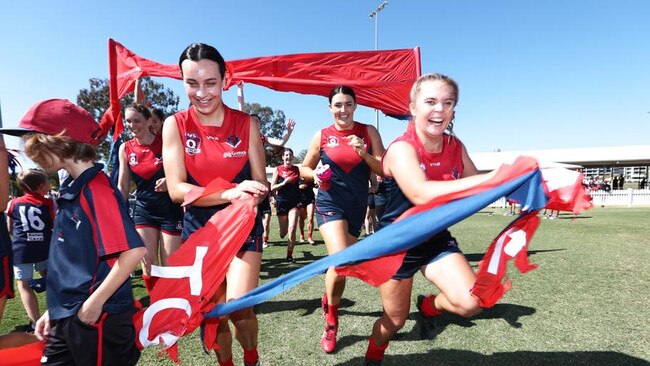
(290, 259)
(253, 364)
(368, 362)
(428, 327)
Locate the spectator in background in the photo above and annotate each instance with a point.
(31, 217)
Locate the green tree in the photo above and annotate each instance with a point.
(95, 100)
(272, 124)
(301, 156)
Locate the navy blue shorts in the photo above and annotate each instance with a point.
(6, 277)
(265, 206)
(282, 207)
(171, 223)
(306, 197)
(354, 216)
(435, 248)
(371, 200)
(112, 339)
(380, 199)
(252, 244)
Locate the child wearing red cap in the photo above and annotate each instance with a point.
(94, 245)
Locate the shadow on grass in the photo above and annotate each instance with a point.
(275, 267)
(441, 357)
(310, 306)
(508, 312)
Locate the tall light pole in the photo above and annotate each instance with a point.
(375, 15)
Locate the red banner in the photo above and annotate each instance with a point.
(381, 79)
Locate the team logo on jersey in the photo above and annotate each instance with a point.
(158, 161)
(192, 143)
(233, 141)
(133, 159)
(75, 218)
(332, 141)
(423, 167)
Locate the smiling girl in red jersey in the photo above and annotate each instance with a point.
(425, 162)
(352, 150)
(209, 141)
(155, 215)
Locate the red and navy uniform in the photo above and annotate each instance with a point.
(307, 196)
(265, 206)
(216, 152)
(380, 197)
(32, 216)
(92, 227)
(445, 165)
(6, 262)
(152, 209)
(288, 196)
(347, 197)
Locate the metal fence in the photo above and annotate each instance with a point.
(621, 197)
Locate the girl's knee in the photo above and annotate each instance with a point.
(468, 307)
(243, 314)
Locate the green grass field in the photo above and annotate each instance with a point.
(587, 304)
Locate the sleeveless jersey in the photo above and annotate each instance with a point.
(146, 167)
(213, 152)
(290, 192)
(32, 216)
(350, 174)
(445, 165)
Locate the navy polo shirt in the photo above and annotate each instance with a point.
(5, 239)
(91, 229)
(32, 216)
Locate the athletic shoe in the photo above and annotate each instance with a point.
(302, 239)
(311, 241)
(368, 362)
(265, 245)
(328, 341)
(428, 328)
(253, 364)
(291, 259)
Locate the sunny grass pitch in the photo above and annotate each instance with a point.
(586, 304)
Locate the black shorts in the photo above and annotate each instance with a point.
(72, 342)
(380, 199)
(435, 248)
(253, 243)
(354, 216)
(169, 222)
(306, 197)
(282, 207)
(265, 206)
(371, 200)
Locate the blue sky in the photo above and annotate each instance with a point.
(532, 75)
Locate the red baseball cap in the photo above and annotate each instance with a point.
(55, 116)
